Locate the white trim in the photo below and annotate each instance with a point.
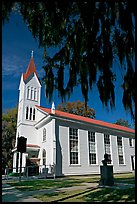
(95, 148)
(123, 152)
(43, 121)
(68, 148)
(123, 147)
(88, 148)
(111, 150)
(75, 165)
(78, 146)
(79, 161)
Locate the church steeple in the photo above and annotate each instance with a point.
(29, 95)
(31, 68)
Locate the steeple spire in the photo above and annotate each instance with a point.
(31, 68)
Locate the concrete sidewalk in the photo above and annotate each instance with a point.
(11, 194)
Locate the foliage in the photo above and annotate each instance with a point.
(9, 123)
(88, 37)
(123, 122)
(77, 108)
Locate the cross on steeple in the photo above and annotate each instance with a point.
(32, 54)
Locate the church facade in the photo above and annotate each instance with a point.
(74, 144)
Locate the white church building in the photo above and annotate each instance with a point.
(74, 144)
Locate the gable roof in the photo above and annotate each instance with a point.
(86, 119)
(30, 69)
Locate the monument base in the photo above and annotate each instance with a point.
(106, 175)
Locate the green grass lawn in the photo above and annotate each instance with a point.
(100, 195)
(57, 195)
(106, 195)
(45, 184)
(39, 184)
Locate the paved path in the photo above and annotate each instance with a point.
(11, 194)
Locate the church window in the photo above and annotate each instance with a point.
(130, 142)
(30, 116)
(44, 157)
(34, 114)
(73, 141)
(31, 96)
(120, 150)
(27, 113)
(35, 94)
(44, 134)
(92, 147)
(28, 92)
(107, 146)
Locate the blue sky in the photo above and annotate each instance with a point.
(17, 44)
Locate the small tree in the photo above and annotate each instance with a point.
(9, 124)
(123, 122)
(77, 108)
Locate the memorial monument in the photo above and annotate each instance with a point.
(106, 173)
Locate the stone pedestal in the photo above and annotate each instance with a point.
(106, 175)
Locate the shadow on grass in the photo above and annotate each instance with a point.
(125, 180)
(44, 184)
(113, 195)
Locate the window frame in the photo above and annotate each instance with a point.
(107, 147)
(91, 143)
(28, 92)
(35, 94)
(27, 113)
(44, 157)
(32, 93)
(120, 149)
(74, 141)
(130, 142)
(30, 114)
(34, 114)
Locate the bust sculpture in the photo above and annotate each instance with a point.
(106, 159)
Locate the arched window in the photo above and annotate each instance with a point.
(44, 134)
(34, 114)
(31, 93)
(30, 116)
(27, 113)
(44, 157)
(28, 92)
(35, 94)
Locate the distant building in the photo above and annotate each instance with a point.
(75, 144)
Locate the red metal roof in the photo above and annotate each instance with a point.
(31, 69)
(33, 145)
(86, 119)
